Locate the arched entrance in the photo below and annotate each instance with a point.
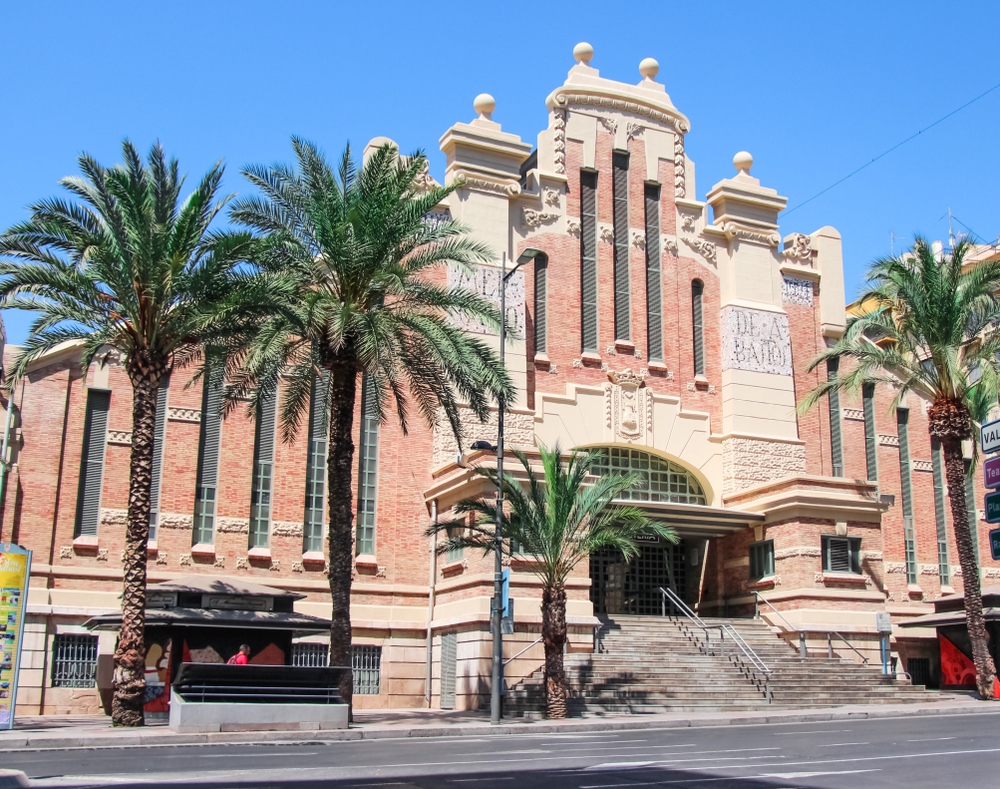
(620, 587)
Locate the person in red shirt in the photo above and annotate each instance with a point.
(240, 658)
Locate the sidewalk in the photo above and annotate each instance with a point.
(83, 732)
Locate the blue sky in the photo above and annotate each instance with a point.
(812, 90)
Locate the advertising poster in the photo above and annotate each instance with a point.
(15, 566)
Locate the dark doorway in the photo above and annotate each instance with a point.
(618, 587)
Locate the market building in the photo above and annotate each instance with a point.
(671, 332)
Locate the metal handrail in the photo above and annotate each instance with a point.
(803, 631)
(536, 641)
(744, 647)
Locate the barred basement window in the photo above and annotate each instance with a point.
(871, 440)
(654, 291)
(312, 537)
(367, 471)
(761, 560)
(263, 472)
(940, 517)
(906, 491)
(95, 435)
(367, 668)
(623, 285)
(312, 655)
(541, 304)
(698, 325)
(74, 660)
(588, 261)
(842, 555)
(836, 436)
(209, 445)
(159, 433)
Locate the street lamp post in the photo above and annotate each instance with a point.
(497, 613)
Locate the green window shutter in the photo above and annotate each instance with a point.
(654, 289)
(588, 261)
(836, 434)
(541, 283)
(906, 492)
(95, 438)
(698, 326)
(209, 446)
(761, 560)
(841, 554)
(316, 465)
(367, 471)
(263, 472)
(970, 503)
(871, 440)
(940, 516)
(623, 286)
(159, 434)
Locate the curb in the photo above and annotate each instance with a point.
(479, 730)
(13, 779)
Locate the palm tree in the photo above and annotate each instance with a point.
(558, 521)
(362, 262)
(128, 267)
(934, 321)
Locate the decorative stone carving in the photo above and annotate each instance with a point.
(687, 223)
(604, 367)
(887, 440)
(633, 130)
(930, 569)
(711, 388)
(611, 351)
(573, 227)
(485, 281)
(553, 369)
(578, 363)
(895, 568)
(287, 528)
(607, 234)
(923, 465)
(559, 140)
(797, 291)
(519, 432)
(991, 572)
(551, 197)
(296, 567)
(818, 578)
(799, 248)
(748, 461)
(856, 414)
(120, 437)
(798, 550)
(638, 239)
(756, 340)
(733, 230)
(65, 552)
(670, 245)
(424, 181)
(114, 517)
(185, 560)
(533, 219)
(220, 562)
(102, 554)
(563, 100)
(380, 572)
(691, 386)
(178, 414)
(242, 563)
(175, 520)
(704, 248)
(274, 566)
(434, 219)
(638, 355)
(610, 124)
(871, 556)
(505, 188)
(232, 525)
(161, 558)
(680, 187)
(627, 412)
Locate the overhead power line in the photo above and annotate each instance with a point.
(893, 148)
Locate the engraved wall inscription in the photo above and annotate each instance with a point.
(485, 280)
(756, 340)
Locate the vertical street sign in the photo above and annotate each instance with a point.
(995, 544)
(989, 437)
(991, 472)
(15, 568)
(993, 507)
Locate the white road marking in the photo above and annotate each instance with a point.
(726, 778)
(838, 744)
(817, 731)
(814, 775)
(236, 755)
(620, 765)
(473, 780)
(932, 739)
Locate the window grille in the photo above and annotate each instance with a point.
(871, 440)
(316, 466)
(659, 480)
(541, 303)
(836, 436)
(919, 670)
(74, 660)
(654, 291)
(95, 436)
(159, 434)
(761, 560)
(906, 491)
(940, 516)
(367, 470)
(588, 260)
(263, 472)
(449, 669)
(209, 445)
(842, 555)
(367, 669)
(623, 285)
(618, 587)
(698, 325)
(311, 655)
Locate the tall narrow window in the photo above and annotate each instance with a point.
(209, 444)
(263, 472)
(95, 438)
(159, 433)
(623, 286)
(698, 326)
(937, 466)
(871, 440)
(970, 505)
(316, 466)
(836, 436)
(588, 260)
(541, 303)
(367, 470)
(654, 290)
(906, 493)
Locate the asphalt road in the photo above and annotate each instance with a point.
(911, 752)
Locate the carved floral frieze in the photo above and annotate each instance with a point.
(532, 219)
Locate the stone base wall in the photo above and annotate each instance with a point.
(747, 462)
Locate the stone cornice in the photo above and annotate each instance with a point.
(607, 98)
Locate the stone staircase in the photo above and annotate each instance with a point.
(661, 664)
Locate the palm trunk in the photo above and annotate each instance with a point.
(954, 464)
(339, 470)
(130, 653)
(554, 638)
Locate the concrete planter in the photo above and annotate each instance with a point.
(196, 716)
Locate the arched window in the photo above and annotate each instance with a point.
(698, 326)
(541, 303)
(659, 479)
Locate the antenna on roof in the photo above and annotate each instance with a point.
(951, 233)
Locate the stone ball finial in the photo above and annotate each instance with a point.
(743, 161)
(484, 105)
(649, 68)
(583, 53)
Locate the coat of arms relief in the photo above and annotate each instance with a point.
(628, 407)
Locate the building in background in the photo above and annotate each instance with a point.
(671, 332)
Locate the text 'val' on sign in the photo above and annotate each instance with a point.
(989, 437)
